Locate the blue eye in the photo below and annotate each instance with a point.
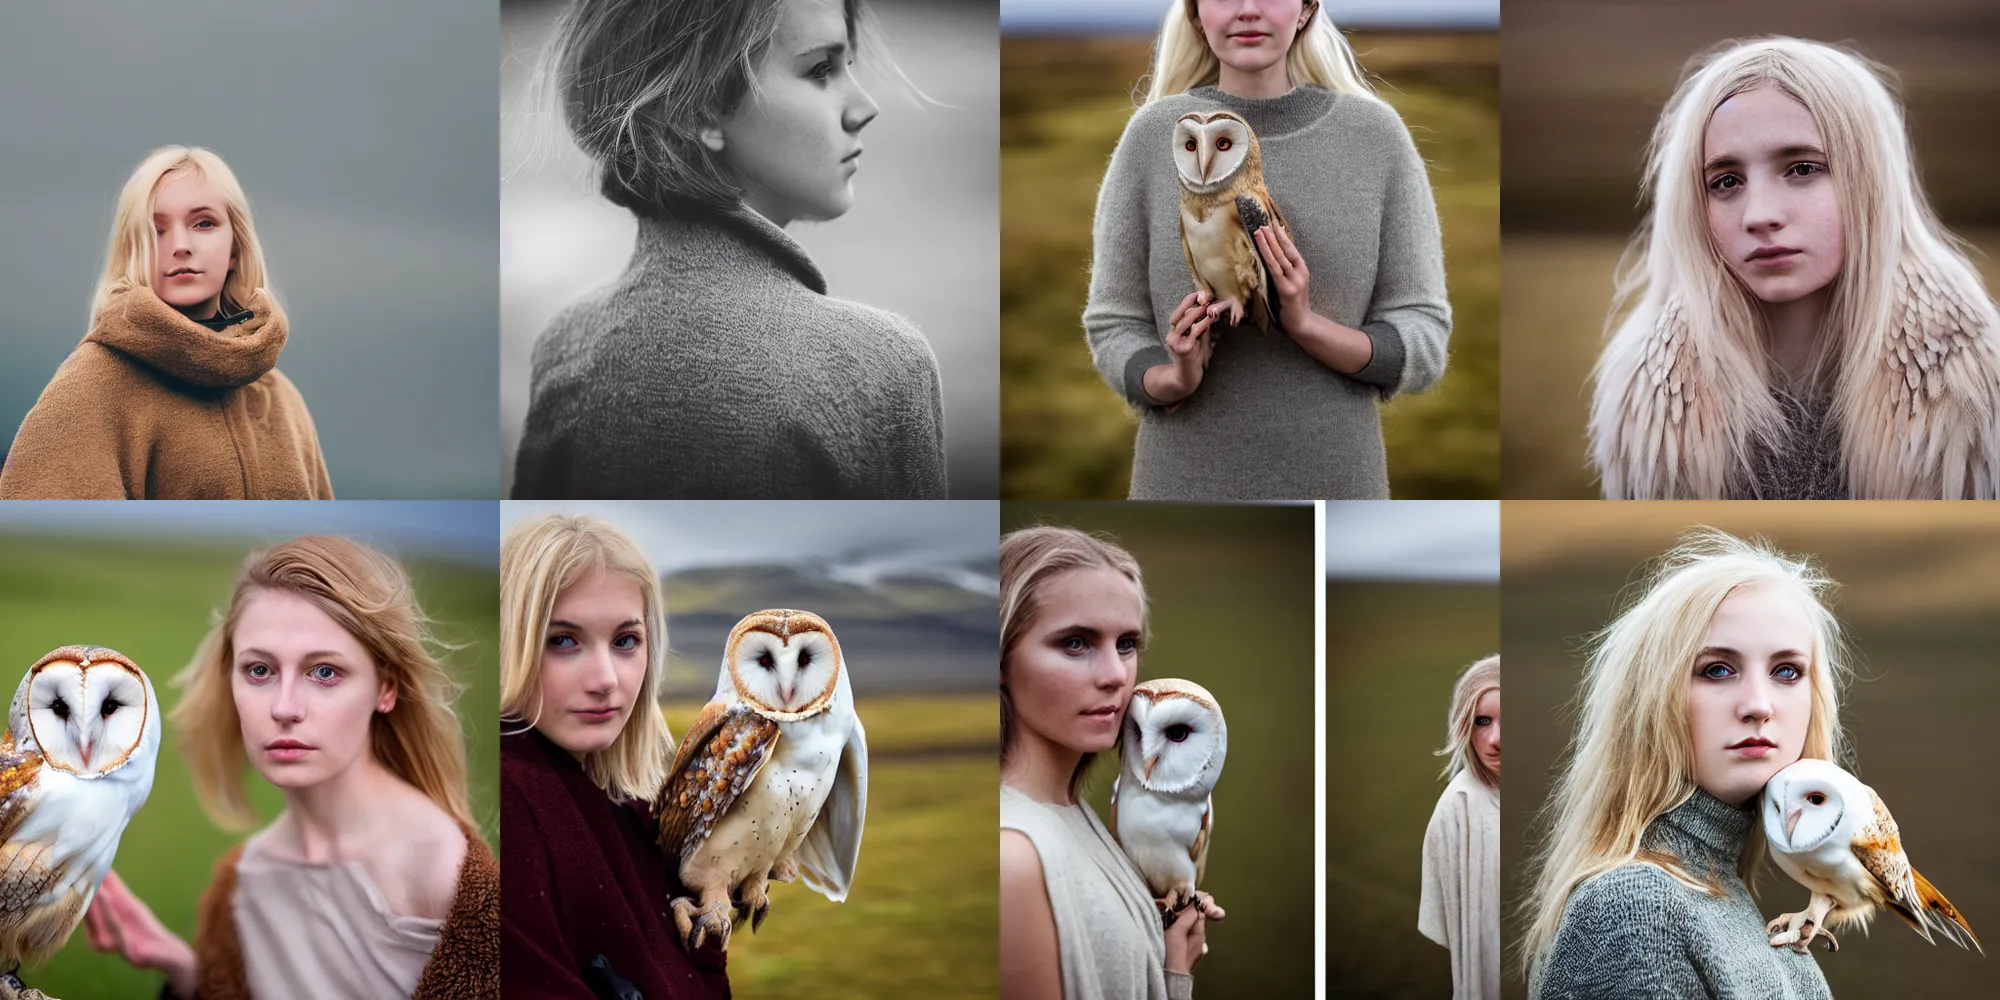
(1718, 671)
(562, 641)
(1074, 644)
(324, 672)
(1788, 672)
(626, 641)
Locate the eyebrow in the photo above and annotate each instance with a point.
(317, 654)
(1781, 153)
(1725, 651)
(562, 623)
(198, 209)
(834, 50)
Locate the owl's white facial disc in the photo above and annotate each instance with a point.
(1209, 154)
(1170, 741)
(785, 673)
(1804, 805)
(88, 719)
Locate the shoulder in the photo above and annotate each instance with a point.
(93, 366)
(1367, 117)
(879, 328)
(433, 852)
(1636, 892)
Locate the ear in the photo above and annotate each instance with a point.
(385, 701)
(1312, 8)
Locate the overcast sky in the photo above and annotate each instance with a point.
(1145, 15)
(465, 531)
(1413, 540)
(853, 539)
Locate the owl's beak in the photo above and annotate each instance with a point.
(1150, 761)
(86, 753)
(1203, 164)
(1792, 821)
(785, 693)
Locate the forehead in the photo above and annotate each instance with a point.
(1096, 596)
(600, 595)
(1761, 617)
(1489, 703)
(807, 25)
(1758, 122)
(180, 193)
(280, 620)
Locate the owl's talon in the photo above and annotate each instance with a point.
(757, 916)
(699, 924)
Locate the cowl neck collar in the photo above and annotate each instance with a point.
(727, 239)
(138, 324)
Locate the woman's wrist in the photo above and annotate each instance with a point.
(1167, 384)
(1339, 347)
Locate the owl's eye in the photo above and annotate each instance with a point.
(60, 707)
(764, 660)
(1190, 145)
(805, 660)
(1816, 798)
(110, 705)
(1179, 733)
(1223, 143)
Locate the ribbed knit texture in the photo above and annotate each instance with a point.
(1269, 421)
(1635, 933)
(1460, 902)
(1108, 933)
(1807, 466)
(718, 367)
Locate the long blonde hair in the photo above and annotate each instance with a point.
(541, 558)
(132, 257)
(370, 596)
(1472, 685)
(1673, 272)
(1183, 61)
(1632, 758)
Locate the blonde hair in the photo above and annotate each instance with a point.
(1029, 558)
(370, 596)
(541, 558)
(1472, 685)
(1183, 61)
(1672, 263)
(1632, 758)
(132, 258)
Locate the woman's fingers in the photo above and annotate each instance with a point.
(1209, 910)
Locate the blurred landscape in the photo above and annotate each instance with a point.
(1231, 595)
(1065, 101)
(1920, 597)
(153, 601)
(1586, 82)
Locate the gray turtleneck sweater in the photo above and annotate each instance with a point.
(718, 367)
(1635, 933)
(1269, 421)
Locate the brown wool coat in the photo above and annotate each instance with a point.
(154, 406)
(465, 966)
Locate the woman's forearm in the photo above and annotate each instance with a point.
(1341, 348)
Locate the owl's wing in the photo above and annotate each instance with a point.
(1188, 253)
(1199, 850)
(833, 846)
(18, 769)
(719, 757)
(1879, 847)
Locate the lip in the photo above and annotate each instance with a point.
(1772, 256)
(594, 716)
(183, 272)
(851, 157)
(1249, 37)
(287, 751)
(1103, 713)
(1754, 748)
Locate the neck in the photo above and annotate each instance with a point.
(1040, 769)
(766, 206)
(1792, 332)
(340, 810)
(202, 310)
(1274, 80)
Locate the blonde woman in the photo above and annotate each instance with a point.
(1359, 273)
(1076, 920)
(1460, 903)
(583, 754)
(717, 365)
(1793, 321)
(1727, 668)
(373, 881)
(174, 393)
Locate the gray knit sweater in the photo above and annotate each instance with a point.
(718, 367)
(1635, 932)
(1269, 421)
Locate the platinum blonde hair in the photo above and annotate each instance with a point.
(541, 558)
(1183, 61)
(1472, 685)
(1632, 758)
(132, 259)
(1673, 263)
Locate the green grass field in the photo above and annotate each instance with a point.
(1065, 101)
(922, 918)
(153, 603)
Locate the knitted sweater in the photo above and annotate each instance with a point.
(1269, 421)
(155, 406)
(465, 965)
(718, 367)
(1635, 932)
(585, 883)
(1460, 903)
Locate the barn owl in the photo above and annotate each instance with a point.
(1223, 201)
(771, 783)
(76, 763)
(1833, 835)
(1172, 748)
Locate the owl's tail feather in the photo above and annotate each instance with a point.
(1940, 915)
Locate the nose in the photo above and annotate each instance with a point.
(860, 110)
(1109, 670)
(1496, 736)
(288, 707)
(599, 677)
(1756, 699)
(174, 243)
(1763, 208)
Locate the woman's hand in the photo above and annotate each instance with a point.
(1189, 344)
(1341, 348)
(117, 922)
(1187, 938)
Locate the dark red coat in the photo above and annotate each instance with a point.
(582, 878)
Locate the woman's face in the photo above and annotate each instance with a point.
(1250, 36)
(795, 139)
(1071, 672)
(196, 246)
(1773, 209)
(1750, 699)
(1486, 730)
(306, 690)
(593, 662)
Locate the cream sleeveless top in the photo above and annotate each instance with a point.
(324, 930)
(1108, 933)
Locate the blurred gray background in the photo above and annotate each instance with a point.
(922, 239)
(361, 132)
